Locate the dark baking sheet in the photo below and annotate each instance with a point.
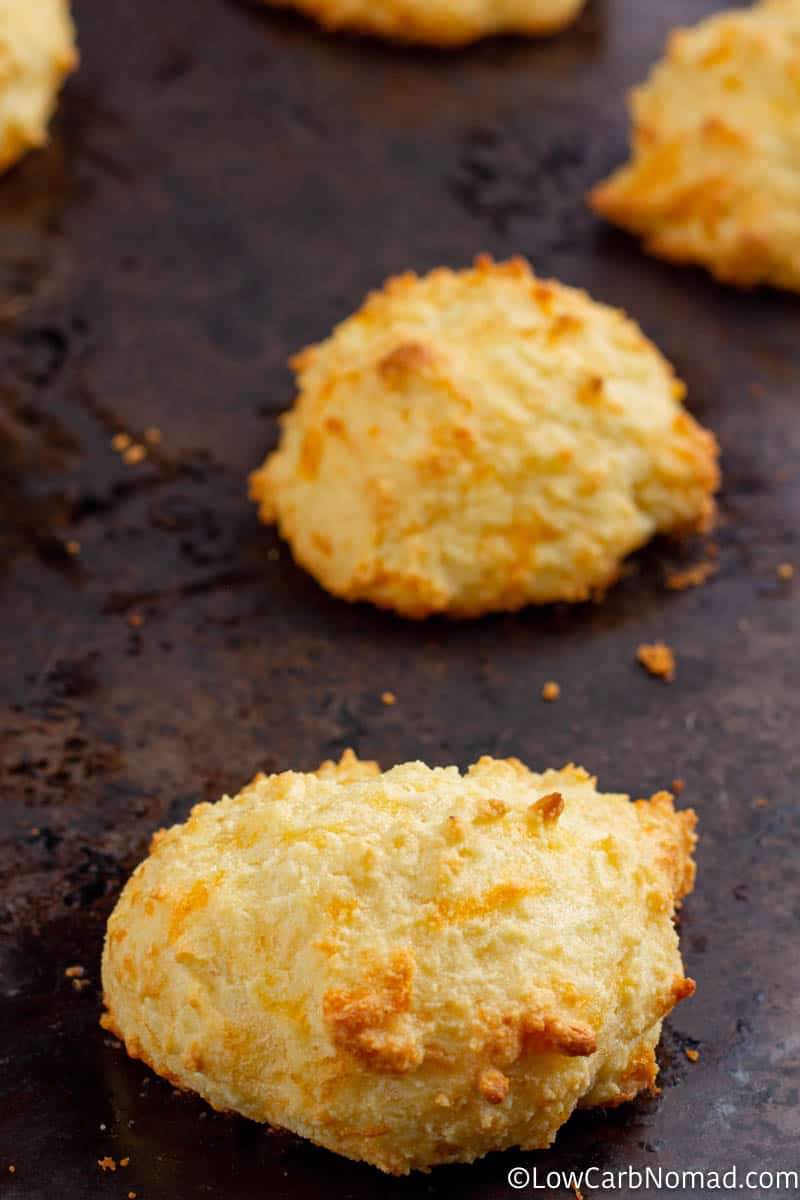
(222, 186)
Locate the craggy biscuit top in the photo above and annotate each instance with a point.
(411, 967)
(481, 440)
(438, 22)
(37, 51)
(715, 172)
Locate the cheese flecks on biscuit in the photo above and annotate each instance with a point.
(438, 22)
(714, 176)
(481, 440)
(37, 52)
(411, 967)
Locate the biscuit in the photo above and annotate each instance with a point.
(408, 968)
(714, 177)
(446, 23)
(37, 52)
(478, 441)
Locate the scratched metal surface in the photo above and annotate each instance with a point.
(222, 186)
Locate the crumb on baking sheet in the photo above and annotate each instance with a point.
(388, 698)
(693, 576)
(152, 435)
(785, 571)
(551, 691)
(106, 1164)
(135, 620)
(74, 972)
(72, 547)
(134, 454)
(121, 441)
(658, 659)
(761, 802)
(693, 1055)
(12, 1170)
(123, 1162)
(677, 786)
(131, 1195)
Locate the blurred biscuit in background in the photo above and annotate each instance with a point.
(438, 22)
(37, 52)
(714, 175)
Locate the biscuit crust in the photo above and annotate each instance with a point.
(714, 177)
(411, 967)
(445, 23)
(37, 52)
(481, 440)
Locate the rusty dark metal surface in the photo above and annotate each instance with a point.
(222, 186)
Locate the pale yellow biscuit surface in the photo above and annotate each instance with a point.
(479, 441)
(37, 51)
(714, 177)
(438, 22)
(409, 968)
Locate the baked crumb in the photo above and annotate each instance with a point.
(121, 441)
(577, 1191)
(72, 547)
(80, 984)
(761, 802)
(692, 576)
(677, 786)
(12, 1170)
(135, 620)
(131, 1195)
(693, 1055)
(106, 1164)
(123, 1162)
(152, 435)
(494, 1086)
(658, 659)
(134, 454)
(785, 571)
(551, 691)
(74, 972)
(388, 698)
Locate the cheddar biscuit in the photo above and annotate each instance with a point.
(408, 968)
(481, 440)
(37, 52)
(443, 23)
(714, 176)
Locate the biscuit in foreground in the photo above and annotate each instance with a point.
(408, 968)
(714, 176)
(481, 440)
(445, 23)
(37, 52)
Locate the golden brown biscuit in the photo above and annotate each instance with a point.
(37, 52)
(408, 968)
(479, 441)
(443, 23)
(715, 174)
